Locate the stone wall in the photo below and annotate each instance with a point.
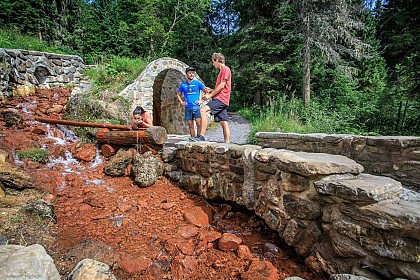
(397, 157)
(339, 219)
(22, 70)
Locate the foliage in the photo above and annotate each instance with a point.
(262, 42)
(35, 154)
(13, 39)
(115, 72)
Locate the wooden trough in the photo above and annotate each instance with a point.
(115, 134)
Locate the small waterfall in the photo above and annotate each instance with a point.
(58, 140)
(98, 159)
(71, 164)
(25, 106)
(68, 133)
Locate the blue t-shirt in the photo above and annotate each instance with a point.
(191, 92)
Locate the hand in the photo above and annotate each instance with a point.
(198, 102)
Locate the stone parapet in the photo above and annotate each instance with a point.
(22, 70)
(397, 157)
(337, 217)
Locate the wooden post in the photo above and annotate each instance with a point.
(155, 135)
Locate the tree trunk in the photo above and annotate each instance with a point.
(306, 57)
(155, 135)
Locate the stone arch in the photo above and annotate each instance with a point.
(155, 89)
(41, 74)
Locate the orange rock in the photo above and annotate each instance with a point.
(199, 216)
(229, 241)
(244, 252)
(188, 231)
(261, 270)
(132, 265)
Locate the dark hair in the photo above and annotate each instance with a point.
(138, 110)
(189, 68)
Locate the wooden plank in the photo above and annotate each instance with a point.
(85, 124)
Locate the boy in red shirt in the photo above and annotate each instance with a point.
(220, 102)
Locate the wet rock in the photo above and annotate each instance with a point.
(56, 109)
(40, 129)
(118, 163)
(12, 117)
(108, 150)
(32, 262)
(244, 252)
(14, 177)
(260, 270)
(229, 242)
(84, 151)
(199, 216)
(89, 269)
(146, 169)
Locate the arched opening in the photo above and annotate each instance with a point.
(41, 74)
(167, 111)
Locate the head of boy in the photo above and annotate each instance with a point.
(190, 73)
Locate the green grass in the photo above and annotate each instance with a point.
(115, 73)
(35, 154)
(291, 116)
(12, 39)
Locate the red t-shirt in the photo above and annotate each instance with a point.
(224, 94)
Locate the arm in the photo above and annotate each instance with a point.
(213, 92)
(147, 120)
(178, 94)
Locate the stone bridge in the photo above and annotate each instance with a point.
(155, 89)
(338, 218)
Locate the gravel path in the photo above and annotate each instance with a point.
(239, 131)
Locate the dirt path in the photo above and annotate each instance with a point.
(140, 232)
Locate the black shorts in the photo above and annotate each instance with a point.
(218, 110)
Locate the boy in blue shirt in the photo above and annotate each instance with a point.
(191, 89)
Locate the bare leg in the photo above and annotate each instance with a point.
(226, 131)
(198, 122)
(204, 121)
(191, 127)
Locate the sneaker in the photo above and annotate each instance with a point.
(192, 139)
(200, 138)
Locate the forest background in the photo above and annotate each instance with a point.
(331, 66)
